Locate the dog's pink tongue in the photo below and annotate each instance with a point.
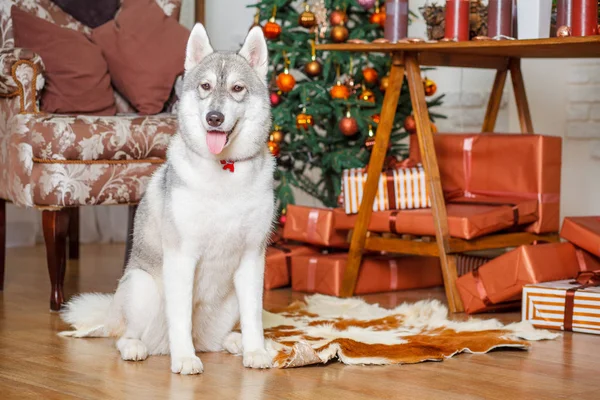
(216, 141)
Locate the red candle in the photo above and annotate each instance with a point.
(457, 19)
(563, 13)
(396, 20)
(584, 17)
(500, 18)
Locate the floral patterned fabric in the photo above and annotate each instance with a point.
(8, 57)
(62, 137)
(37, 144)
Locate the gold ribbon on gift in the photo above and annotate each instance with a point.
(584, 279)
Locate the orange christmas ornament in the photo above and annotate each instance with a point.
(376, 118)
(272, 29)
(429, 86)
(370, 75)
(378, 17)
(434, 128)
(303, 120)
(339, 91)
(273, 147)
(285, 81)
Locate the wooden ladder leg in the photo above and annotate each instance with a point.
(56, 226)
(74, 233)
(520, 95)
(493, 106)
(129, 240)
(382, 138)
(2, 241)
(432, 172)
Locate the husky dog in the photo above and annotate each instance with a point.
(201, 229)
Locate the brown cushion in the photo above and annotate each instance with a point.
(145, 51)
(77, 79)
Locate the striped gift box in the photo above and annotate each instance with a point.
(544, 306)
(399, 189)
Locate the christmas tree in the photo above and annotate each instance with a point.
(326, 106)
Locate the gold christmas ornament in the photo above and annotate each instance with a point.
(429, 86)
(277, 135)
(367, 95)
(307, 19)
(384, 83)
(339, 33)
(303, 120)
(313, 68)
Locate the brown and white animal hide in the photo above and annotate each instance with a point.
(324, 328)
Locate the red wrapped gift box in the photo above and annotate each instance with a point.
(314, 226)
(525, 167)
(502, 279)
(324, 273)
(278, 263)
(465, 220)
(583, 232)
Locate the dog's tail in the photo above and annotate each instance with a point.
(93, 315)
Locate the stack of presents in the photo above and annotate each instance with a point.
(493, 183)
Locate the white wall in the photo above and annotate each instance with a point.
(564, 97)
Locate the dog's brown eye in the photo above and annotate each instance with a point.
(205, 86)
(238, 88)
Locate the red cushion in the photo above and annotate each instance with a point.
(77, 79)
(145, 52)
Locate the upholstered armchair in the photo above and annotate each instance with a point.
(58, 163)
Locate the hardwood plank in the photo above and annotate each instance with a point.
(398, 245)
(493, 106)
(499, 241)
(520, 96)
(432, 174)
(570, 47)
(37, 364)
(378, 154)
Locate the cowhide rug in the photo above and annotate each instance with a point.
(324, 328)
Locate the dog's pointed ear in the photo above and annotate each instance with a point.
(255, 51)
(198, 47)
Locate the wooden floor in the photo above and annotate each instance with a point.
(37, 364)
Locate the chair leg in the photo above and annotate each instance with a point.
(74, 233)
(2, 241)
(129, 242)
(56, 227)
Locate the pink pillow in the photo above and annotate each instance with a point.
(145, 52)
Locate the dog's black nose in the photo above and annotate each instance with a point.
(215, 118)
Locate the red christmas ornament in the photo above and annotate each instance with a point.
(275, 99)
(348, 125)
(410, 124)
(338, 17)
(376, 118)
(272, 29)
(282, 219)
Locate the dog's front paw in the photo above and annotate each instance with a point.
(233, 343)
(132, 349)
(186, 365)
(257, 359)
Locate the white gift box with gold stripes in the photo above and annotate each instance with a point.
(399, 189)
(544, 306)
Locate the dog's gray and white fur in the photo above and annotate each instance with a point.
(200, 231)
